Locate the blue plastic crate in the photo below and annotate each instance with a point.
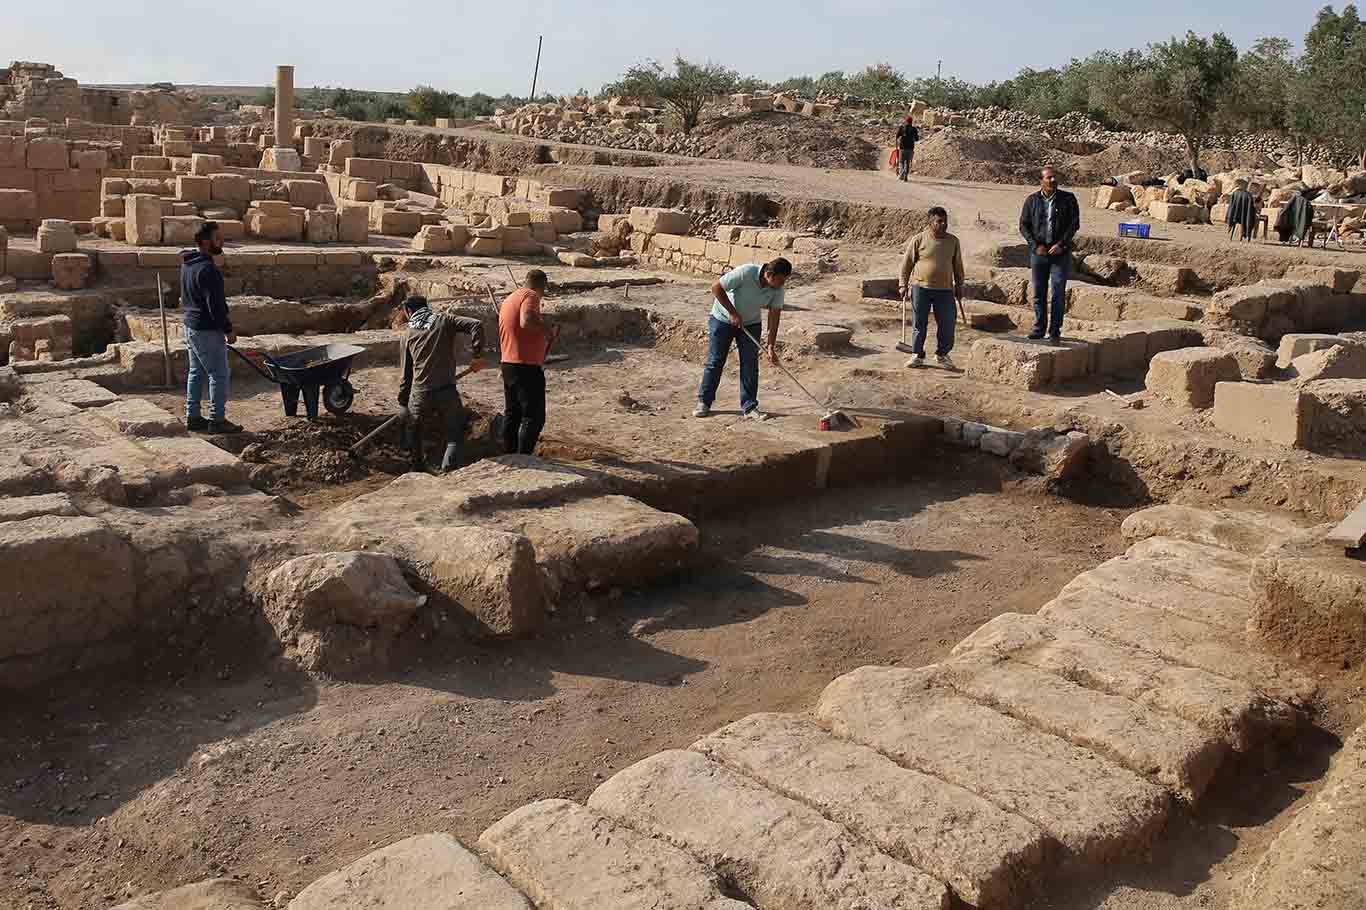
(1134, 230)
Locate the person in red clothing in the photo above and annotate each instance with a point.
(523, 338)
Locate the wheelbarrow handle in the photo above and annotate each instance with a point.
(256, 366)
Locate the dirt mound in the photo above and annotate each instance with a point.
(776, 137)
(955, 155)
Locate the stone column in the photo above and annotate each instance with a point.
(284, 106)
(283, 157)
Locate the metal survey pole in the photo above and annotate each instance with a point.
(535, 74)
(165, 339)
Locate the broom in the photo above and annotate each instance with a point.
(831, 420)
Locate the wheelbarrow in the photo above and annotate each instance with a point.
(325, 369)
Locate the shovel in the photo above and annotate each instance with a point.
(365, 440)
(831, 420)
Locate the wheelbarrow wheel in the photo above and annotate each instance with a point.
(337, 398)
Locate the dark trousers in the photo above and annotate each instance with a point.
(1050, 290)
(523, 407)
(442, 407)
(903, 162)
(721, 335)
(945, 308)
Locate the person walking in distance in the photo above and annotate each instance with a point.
(906, 138)
(739, 296)
(427, 390)
(208, 332)
(523, 337)
(1049, 221)
(932, 269)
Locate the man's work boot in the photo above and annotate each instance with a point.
(196, 424)
(223, 427)
(451, 459)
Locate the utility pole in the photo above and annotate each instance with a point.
(537, 72)
(939, 71)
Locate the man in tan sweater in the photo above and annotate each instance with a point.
(932, 270)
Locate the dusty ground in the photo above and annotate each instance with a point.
(243, 767)
(232, 764)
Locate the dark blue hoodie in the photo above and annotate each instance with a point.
(201, 293)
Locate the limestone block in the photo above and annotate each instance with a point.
(1000, 442)
(1342, 361)
(56, 236)
(142, 217)
(179, 230)
(202, 165)
(307, 193)
(610, 223)
(493, 184)
(150, 163)
(426, 872)
(320, 226)
(114, 186)
(335, 612)
(1307, 600)
(514, 219)
(112, 207)
(1337, 413)
(1107, 196)
(1340, 280)
(1028, 365)
(1297, 344)
(433, 238)
(1166, 279)
(118, 229)
(1097, 810)
(376, 169)
(214, 894)
(71, 271)
(543, 232)
(340, 150)
(1186, 377)
(276, 158)
(89, 159)
(353, 223)
(47, 153)
(656, 220)
(13, 153)
(18, 206)
(362, 191)
(275, 227)
(564, 855)
(780, 852)
(178, 149)
(1262, 412)
(394, 223)
(315, 148)
(230, 189)
(193, 189)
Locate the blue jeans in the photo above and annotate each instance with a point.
(1050, 286)
(722, 334)
(945, 308)
(208, 352)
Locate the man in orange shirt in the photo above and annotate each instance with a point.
(523, 338)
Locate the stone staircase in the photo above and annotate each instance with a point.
(1041, 745)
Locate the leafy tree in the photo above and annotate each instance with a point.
(1179, 85)
(1332, 94)
(685, 91)
(881, 83)
(427, 103)
(1270, 93)
(265, 97)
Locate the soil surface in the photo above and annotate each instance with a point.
(238, 766)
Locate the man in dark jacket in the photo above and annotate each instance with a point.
(1242, 212)
(1049, 221)
(427, 391)
(208, 332)
(906, 138)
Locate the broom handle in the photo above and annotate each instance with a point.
(818, 402)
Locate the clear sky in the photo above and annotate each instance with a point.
(491, 45)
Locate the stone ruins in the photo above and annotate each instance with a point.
(1208, 398)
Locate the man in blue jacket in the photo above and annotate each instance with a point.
(1048, 223)
(208, 332)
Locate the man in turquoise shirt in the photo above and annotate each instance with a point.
(740, 295)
